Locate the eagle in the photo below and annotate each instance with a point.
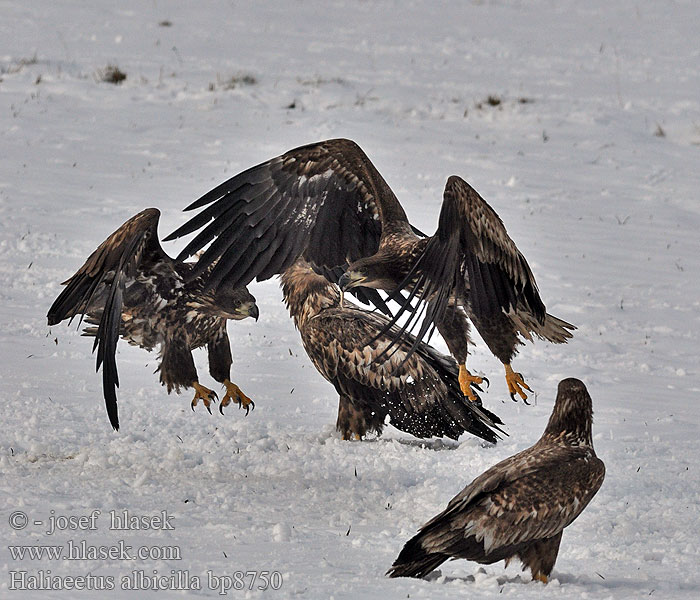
(328, 203)
(421, 393)
(130, 287)
(519, 507)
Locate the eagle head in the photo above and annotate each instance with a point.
(233, 303)
(375, 271)
(572, 417)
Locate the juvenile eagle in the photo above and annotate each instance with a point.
(421, 394)
(519, 507)
(130, 287)
(329, 204)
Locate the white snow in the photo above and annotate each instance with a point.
(591, 158)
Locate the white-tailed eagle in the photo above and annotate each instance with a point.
(420, 393)
(327, 203)
(130, 287)
(519, 507)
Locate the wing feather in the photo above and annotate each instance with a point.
(98, 287)
(325, 200)
(471, 247)
(525, 498)
(422, 390)
(504, 280)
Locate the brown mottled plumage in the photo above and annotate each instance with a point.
(519, 507)
(327, 203)
(420, 393)
(129, 287)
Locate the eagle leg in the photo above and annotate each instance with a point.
(540, 577)
(516, 383)
(204, 394)
(467, 380)
(234, 394)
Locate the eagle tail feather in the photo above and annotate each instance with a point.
(415, 561)
(556, 330)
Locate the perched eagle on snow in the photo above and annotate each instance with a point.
(130, 287)
(421, 394)
(519, 507)
(329, 204)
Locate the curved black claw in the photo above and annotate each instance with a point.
(514, 399)
(526, 386)
(221, 408)
(249, 406)
(488, 383)
(213, 397)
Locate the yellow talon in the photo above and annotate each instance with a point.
(466, 379)
(540, 577)
(204, 394)
(516, 383)
(234, 394)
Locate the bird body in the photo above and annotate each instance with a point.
(129, 288)
(420, 393)
(519, 507)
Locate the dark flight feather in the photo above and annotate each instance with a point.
(106, 270)
(324, 207)
(130, 287)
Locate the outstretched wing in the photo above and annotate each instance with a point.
(98, 288)
(472, 248)
(499, 277)
(421, 391)
(325, 201)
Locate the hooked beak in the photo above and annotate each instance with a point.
(350, 279)
(254, 311)
(249, 309)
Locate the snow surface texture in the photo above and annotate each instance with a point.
(578, 121)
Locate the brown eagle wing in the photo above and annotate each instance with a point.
(99, 286)
(532, 495)
(471, 245)
(324, 201)
(499, 276)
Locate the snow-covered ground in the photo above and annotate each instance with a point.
(578, 121)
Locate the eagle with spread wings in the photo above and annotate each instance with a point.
(420, 393)
(519, 507)
(327, 203)
(130, 287)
